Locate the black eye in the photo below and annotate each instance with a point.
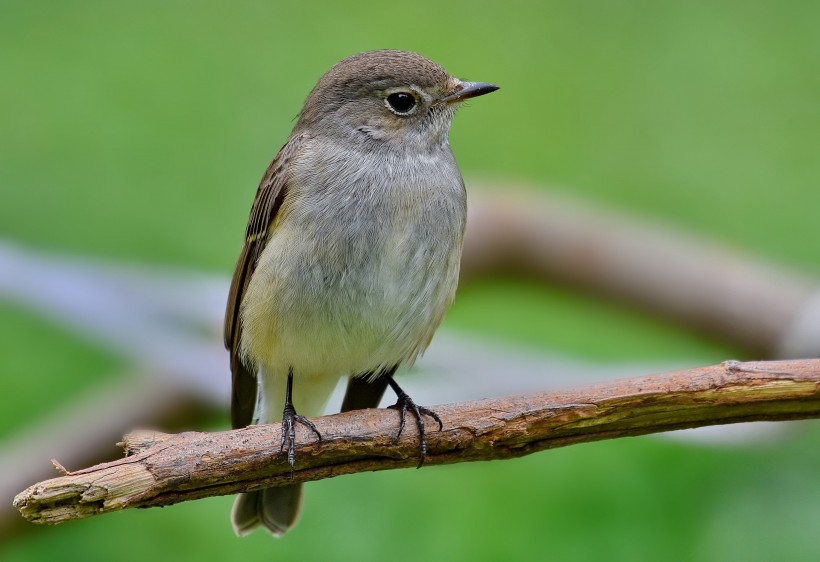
(401, 102)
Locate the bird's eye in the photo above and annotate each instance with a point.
(401, 103)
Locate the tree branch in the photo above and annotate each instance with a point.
(163, 469)
(704, 284)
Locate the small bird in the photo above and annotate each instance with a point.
(351, 255)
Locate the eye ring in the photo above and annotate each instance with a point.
(401, 103)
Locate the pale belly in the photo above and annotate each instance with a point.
(352, 291)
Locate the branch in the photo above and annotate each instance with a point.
(744, 301)
(163, 469)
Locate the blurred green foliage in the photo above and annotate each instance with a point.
(139, 131)
(34, 381)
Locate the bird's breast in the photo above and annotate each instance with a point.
(360, 267)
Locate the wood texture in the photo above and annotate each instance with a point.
(163, 469)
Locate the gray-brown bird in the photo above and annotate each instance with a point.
(351, 255)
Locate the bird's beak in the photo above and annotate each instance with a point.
(466, 90)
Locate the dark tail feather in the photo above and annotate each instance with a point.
(278, 509)
(362, 392)
(275, 509)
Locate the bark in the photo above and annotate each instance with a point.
(162, 469)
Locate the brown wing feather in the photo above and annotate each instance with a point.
(269, 197)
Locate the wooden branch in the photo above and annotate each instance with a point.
(163, 469)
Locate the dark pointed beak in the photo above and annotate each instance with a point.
(467, 90)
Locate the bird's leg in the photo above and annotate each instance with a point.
(289, 419)
(404, 403)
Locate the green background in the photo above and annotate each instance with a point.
(139, 131)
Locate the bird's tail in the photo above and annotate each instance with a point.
(278, 509)
(275, 509)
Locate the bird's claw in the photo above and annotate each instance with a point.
(405, 403)
(289, 420)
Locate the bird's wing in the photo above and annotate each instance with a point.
(269, 197)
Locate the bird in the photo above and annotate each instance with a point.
(351, 256)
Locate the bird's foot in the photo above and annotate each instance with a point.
(289, 420)
(405, 403)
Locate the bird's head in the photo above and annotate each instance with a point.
(395, 97)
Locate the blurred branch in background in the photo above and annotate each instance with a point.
(166, 469)
(760, 308)
(167, 322)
